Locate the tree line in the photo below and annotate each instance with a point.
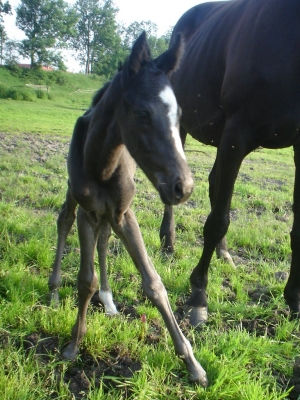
(88, 27)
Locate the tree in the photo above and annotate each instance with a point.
(47, 25)
(97, 43)
(130, 33)
(11, 52)
(157, 44)
(5, 8)
(3, 38)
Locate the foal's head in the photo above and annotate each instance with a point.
(149, 120)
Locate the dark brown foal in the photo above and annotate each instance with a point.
(135, 117)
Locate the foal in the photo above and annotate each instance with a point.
(134, 117)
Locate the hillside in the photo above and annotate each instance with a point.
(50, 105)
(15, 81)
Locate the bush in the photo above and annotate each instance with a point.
(21, 93)
(3, 92)
(50, 96)
(15, 70)
(58, 77)
(41, 94)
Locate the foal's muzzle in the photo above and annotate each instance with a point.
(177, 191)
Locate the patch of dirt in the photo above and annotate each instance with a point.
(4, 338)
(261, 294)
(79, 374)
(41, 147)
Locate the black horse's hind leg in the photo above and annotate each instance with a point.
(233, 148)
(64, 223)
(104, 294)
(292, 289)
(129, 232)
(221, 248)
(167, 228)
(87, 280)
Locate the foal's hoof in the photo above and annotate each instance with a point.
(196, 315)
(105, 297)
(198, 376)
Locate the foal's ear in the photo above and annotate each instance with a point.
(140, 54)
(169, 61)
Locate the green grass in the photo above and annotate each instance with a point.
(248, 347)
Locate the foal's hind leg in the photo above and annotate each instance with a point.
(129, 232)
(292, 289)
(104, 293)
(221, 248)
(87, 280)
(64, 223)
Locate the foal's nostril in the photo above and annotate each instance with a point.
(178, 190)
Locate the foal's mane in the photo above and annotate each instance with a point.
(98, 96)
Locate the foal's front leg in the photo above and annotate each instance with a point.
(87, 280)
(65, 221)
(129, 232)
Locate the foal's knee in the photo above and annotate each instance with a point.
(87, 284)
(155, 290)
(65, 218)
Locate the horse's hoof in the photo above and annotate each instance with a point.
(226, 257)
(196, 315)
(70, 352)
(53, 300)
(167, 250)
(295, 316)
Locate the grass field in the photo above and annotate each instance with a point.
(249, 347)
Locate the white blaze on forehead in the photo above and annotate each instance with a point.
(169, 99)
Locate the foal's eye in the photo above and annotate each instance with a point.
(143, 116)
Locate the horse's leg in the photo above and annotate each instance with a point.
(292, 288)
(233, 148)
(129, 232)
(105, 294)
(87, 280)
(167, 228)
(221, 248)
(64, 223)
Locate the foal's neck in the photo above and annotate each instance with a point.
(104, 147)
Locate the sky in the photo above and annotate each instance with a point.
(164, 13)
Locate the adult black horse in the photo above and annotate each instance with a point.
(239, 88)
